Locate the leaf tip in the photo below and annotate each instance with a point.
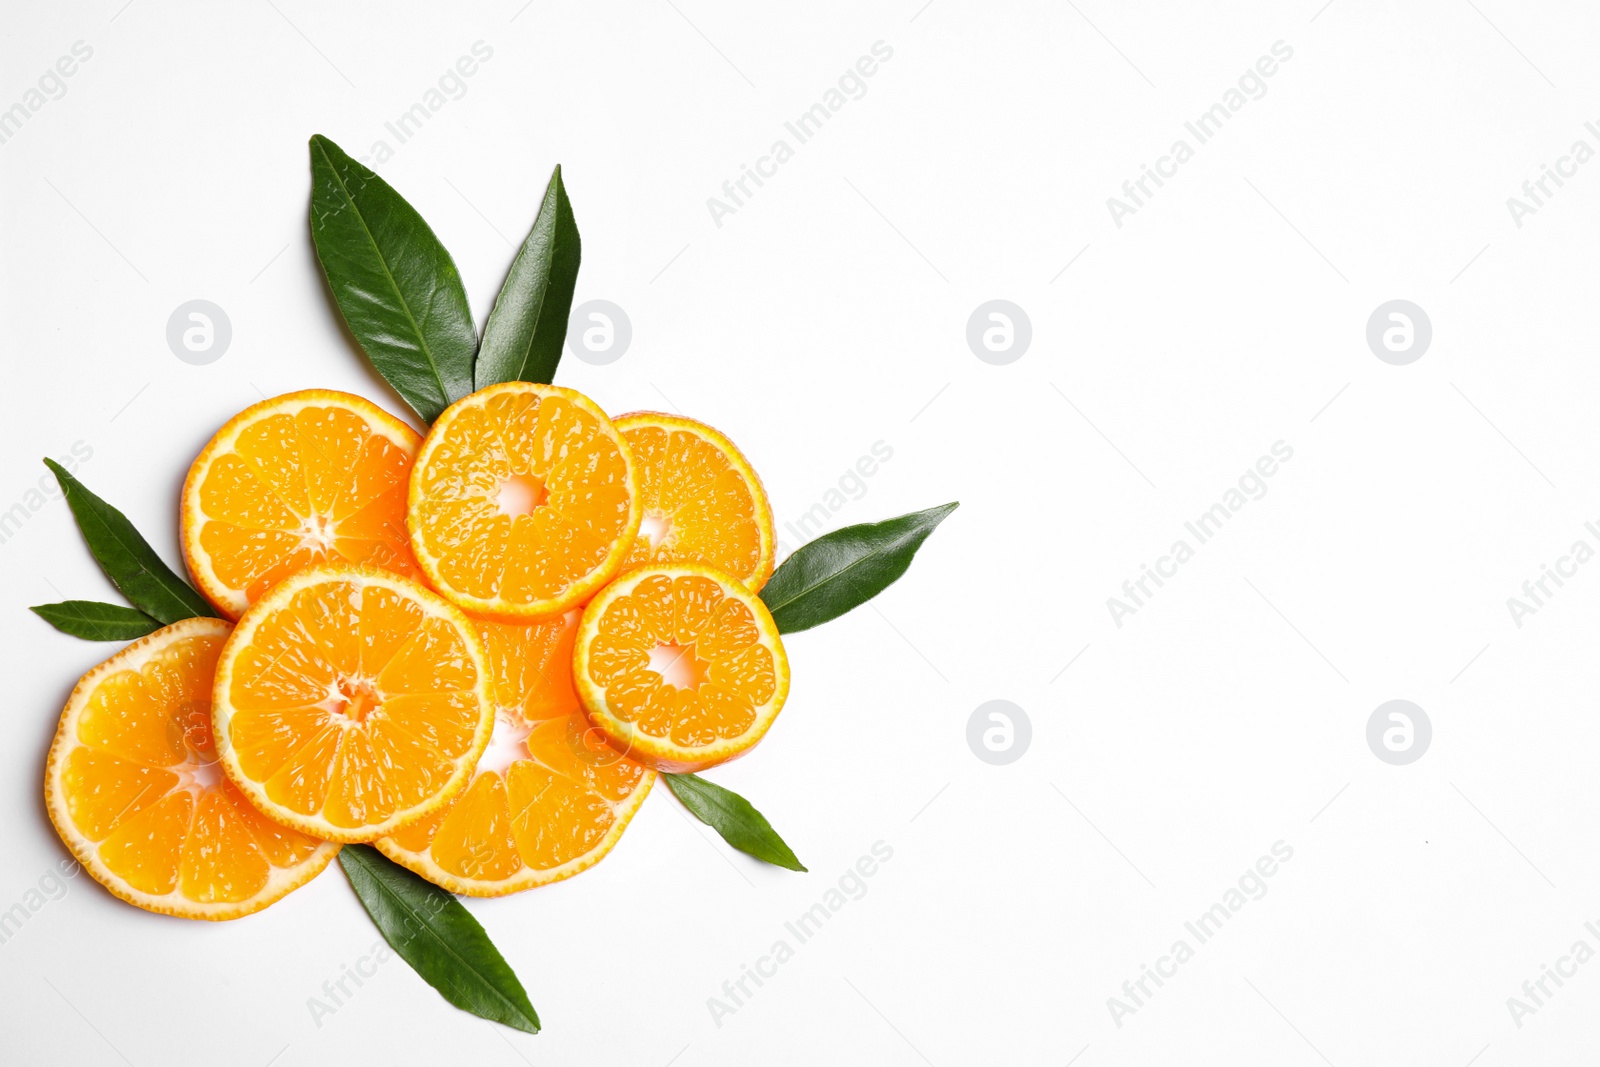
(557, 187)
(64, 477)
(941, 513)
(327, 148)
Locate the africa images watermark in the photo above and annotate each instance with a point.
(1203, 528)
(50, 887)
(337, 992)
(13, 518)
(1536, 591)
(1537, 190)
(51, 85)
(451, 85)
(850, 486)
(1536, 992)
(736, 191)
(1252, 885)
(851, 885)
(1203, 128)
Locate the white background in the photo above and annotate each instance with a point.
(829, 313)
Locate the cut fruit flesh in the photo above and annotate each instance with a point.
(702, 500)
(351, 702)
(549, 797)
(680, 666)
(523, 502)
(311, 477)
(133, 787)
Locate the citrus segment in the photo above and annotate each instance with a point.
(351, 701)
(134, 789)
(523, 501)
(549, 797)
(702, 502)
(680, 666)
(304, 478)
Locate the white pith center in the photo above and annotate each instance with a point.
(508, 743)
(655, 528)
(678, 665)
(317, 532)
(351, 700)
(520, 494)
(199, 777)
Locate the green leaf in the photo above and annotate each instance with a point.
(439, 938)
(397, 287)
(731, 815)
(127, 558)
(94, 621)
(844, 569)
(522, 342)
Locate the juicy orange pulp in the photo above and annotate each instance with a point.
(135, 791)
(549, 799)
(680, 666)
(351, 702)
(702, 501)
(305, 478)
(523, 502)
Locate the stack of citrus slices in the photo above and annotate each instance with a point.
(474, 650)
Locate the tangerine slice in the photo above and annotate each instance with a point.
(311, 477)
(702, 500)
(350, 702)
(548, 799)
(134, 789)
(680, 666)
(524, 501)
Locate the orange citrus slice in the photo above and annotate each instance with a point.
(304, 478)
(549, 798)
(350, 701)
(524, 501)
(134, 789)
(702, 501)
(680, 666)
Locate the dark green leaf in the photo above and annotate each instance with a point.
(127, 558)
(94, 621)
(522, 342)
(845, 569)
(731, 815)
(439, 938)
(396, 285)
